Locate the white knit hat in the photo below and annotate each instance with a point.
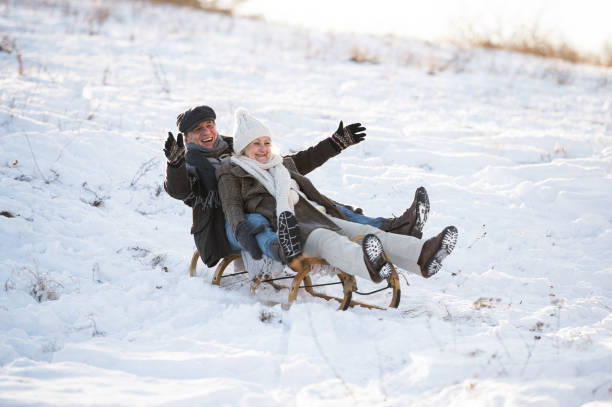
(246, 129)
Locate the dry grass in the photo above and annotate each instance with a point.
(607, 53)
(9, 45)
(457, 63)
(214, 6)
(533, 41)
(98, 16)
(360, 55)
(41, 288)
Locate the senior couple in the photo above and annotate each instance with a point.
(245, 197)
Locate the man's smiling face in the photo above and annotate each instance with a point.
(204, 134)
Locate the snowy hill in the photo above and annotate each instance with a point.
(97, 306)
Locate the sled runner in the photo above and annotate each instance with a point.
(303, 266)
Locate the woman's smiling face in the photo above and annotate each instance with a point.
(259, 149)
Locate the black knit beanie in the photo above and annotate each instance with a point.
(189, 119)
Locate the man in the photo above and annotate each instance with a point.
(190, 177)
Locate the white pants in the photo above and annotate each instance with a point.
(339, 251)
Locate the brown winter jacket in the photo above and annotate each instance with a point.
(241, 193)
(208, 229)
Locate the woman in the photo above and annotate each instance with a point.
(255, 180)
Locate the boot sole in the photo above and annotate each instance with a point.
(422, 211)
(289, 236)
(447, 245)
(376, 260)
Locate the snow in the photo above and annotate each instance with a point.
(96, 303)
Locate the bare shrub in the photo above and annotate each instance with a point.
(158, 260)
(485, 302)
(43, 289)
(95, 331)
(219, 6)
(9, 45)
(184, 3)
(360, 56)
(607, 54)
(97, 18)
(531, 40)
(266, 316)
(561, 76)
(137, 252)
(9, 285)
(431, 62)
(97, 200)
(457, 63)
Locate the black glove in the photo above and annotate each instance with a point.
(245, 234)
(349, 135)
(174, 150)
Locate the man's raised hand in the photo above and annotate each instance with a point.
(175, 150)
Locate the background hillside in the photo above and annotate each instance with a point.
(96, 304)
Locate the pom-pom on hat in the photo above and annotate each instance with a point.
(246, 129)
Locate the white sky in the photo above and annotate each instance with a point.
(586, 24)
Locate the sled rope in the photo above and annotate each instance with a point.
(302, 286)
(320, 285)
(268, 280)
(375, 291)
(236, 274)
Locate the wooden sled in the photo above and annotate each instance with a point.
(302, 267)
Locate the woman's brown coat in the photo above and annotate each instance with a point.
(241, 193)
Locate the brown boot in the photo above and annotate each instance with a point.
(435, 250)
(375, 259)
(413, 219)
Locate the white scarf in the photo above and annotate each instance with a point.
(275, 178)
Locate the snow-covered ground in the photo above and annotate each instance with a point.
(96, 304)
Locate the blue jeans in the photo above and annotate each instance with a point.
(268, 236)
(264, 239)
(359, 218)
